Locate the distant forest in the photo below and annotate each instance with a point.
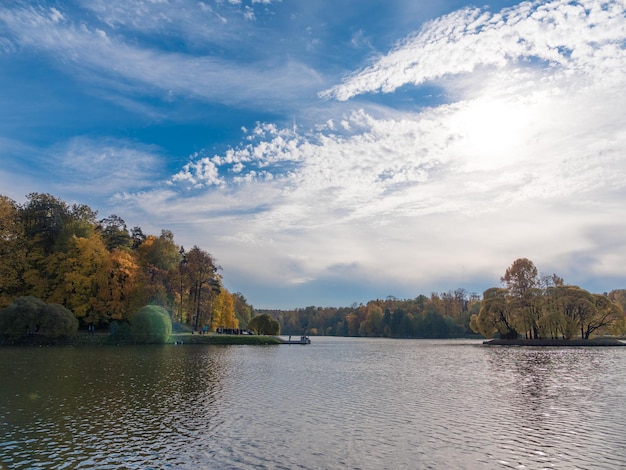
(104, 272)
(445, 315)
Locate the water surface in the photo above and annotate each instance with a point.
(337, 403)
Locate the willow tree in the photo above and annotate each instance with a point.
(495, 316)
(579, 312)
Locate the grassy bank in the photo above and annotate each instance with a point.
(187, 338)
(104, 339)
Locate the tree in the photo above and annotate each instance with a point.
(80, 278)
(29, 317)
(495, 315)
(44, 217)
(264, 325)
(204, 284)
(114, 232)
(373, 323)
(243, 310)
(527, 310)
(151, 325)
(608, 316)
(157, 257)
(12, 252)
(224, 311)
(520, 276)
(433, 325)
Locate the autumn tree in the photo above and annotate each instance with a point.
(520, 276)
(373, 323)
(224, 311)
(157, 257)
(204, 284)
(12, 252)
(80, 277)
(119, 289)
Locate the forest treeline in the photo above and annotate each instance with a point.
(528, 304)
(102, 271)
(445, 315)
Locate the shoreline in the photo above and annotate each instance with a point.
(556, 342)
(176, 339)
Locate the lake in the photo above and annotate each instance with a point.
(337, 403)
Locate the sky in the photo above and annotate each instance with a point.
(331, 152)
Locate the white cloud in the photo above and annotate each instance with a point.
(526, 161)
(579, 36)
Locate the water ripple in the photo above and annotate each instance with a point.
(338, 403)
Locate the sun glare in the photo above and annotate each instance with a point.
(491, 130)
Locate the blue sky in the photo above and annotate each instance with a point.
(331, 152)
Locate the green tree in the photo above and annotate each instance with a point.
(243, 310)
(30, 317)
(151, 325)
(264, 325)
(495, 315)
(433, 325)
(114, 232)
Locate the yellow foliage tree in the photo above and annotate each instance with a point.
(224, 311)
(12, 256)
(80, 275)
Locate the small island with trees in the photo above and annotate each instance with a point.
(67, 276)
(542, 311)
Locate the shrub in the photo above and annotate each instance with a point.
(28, 318)
(151, 324)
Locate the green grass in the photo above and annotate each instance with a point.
(104, 339)
(187, 338)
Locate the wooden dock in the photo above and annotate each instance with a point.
(301, 340)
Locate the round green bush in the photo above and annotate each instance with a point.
(151, 325)
(30, 319)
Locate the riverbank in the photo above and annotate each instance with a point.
(555, 342)
(104, 339)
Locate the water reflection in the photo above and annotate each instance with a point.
(107, 405)
(556, 404)
(349, 403)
